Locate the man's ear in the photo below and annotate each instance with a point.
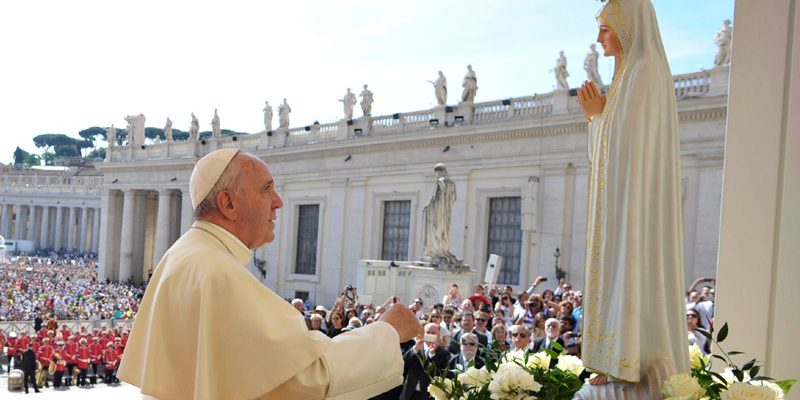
(226, 206)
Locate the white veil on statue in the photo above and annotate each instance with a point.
(634, 327)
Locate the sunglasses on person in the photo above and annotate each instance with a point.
(468, 343)
(519, 335)
(481, 319)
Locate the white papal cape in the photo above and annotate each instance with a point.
(634, 327)
(208, 329)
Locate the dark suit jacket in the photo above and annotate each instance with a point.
(540, 343)
(417, 365)
(28, 360)
(455, 341)
(455, 360)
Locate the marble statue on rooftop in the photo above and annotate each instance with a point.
(561, 72)
(723, 40)
(194, 128)
(590, 65)
(348, 102)
(470, 85)
(437, 214)
(135, 128)
(440, 88)
(283, 115)
(168, 130)
(267, 116)
(111, 136)
(366, 101)
(215, 130)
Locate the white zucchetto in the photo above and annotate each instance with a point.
(206, 173)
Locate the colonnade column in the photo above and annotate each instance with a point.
(82, 232)
(69, 215)
(162, 226)
(45, 232)
(187, 212)
(5, 220)
(96, 230)
(18, 222)
(126, 242)
(59, 228)
(35, 218)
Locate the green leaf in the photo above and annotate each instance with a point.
(754, 371)
(749, 365)
(705, 333)
(735, 352)
(721, 379)
(739, 374)
(786, 384)
(723, 333)
(719, 357)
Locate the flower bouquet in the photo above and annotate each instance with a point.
(513, 375)
(734, 383)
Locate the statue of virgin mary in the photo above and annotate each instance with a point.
(634, 328)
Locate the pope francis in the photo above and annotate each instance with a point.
(207, 329)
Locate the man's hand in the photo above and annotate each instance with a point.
(592, 102)
(403, 321)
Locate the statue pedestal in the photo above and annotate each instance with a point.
(408, 280)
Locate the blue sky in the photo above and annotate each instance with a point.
(71, 65)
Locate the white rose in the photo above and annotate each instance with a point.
(440, 393)
(570, 363)
(745, 391)
(681, 387)
(779, 395)
(730, 378)
(474, 377)
(540, 360)
(511, 382)
(695, 355)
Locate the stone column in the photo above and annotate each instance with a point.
(58, 242)
(35, 231)
(18, 222)
(126, 242)
(44, 240)
(96, 230)
(162, 226)
(69, 217)
(5, 220)
(187, 213)
(82, 232)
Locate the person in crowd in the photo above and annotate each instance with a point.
(695, 337)
(70, 352)
(426, 356)
(417, 308)
(553, 335)
(468, 354)
(500, 336)
(59, 355)
(467, 326)
(466, 305)
(82, 361)
(316, 322)
(520, 338)
(96, 354)
(353, 323)
(436, 318)
(322, 312)
(28, 365)
(235, 206)
(452, 298)
(110, 363)
(45, 355)
(336, 324)
(507, 307)
(481, 323)
(448, 319)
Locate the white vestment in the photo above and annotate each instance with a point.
(634, 327)
(208, 329)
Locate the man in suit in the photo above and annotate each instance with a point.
(29, 368)
(425, 353)
(467, 326)
(552, 329)
(469, 352)
(520, 338)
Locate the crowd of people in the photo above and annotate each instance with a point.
(465, 329)
(461, 329)
(63, 286)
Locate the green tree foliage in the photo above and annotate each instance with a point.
(48, 140)
(92, 133)
(32, 160)
(67, 151)
(97, 154)
(20, 156)
(153, 133)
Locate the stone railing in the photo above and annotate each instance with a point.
(81, 186)
(73, 326)
(699, 84)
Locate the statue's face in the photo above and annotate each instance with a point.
(608, 39)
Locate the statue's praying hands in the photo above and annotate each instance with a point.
(592, 102)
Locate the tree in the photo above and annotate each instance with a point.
(67, 151)
(92, 133)
(32, 160)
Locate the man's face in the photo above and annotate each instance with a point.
(480, 322)
(258, 202)
(468, 322)
(552, 330)
(448, 318)
(469, 346)
(520, 337)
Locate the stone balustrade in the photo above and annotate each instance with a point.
(698, 84)
(87, 185)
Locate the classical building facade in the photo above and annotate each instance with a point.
(354, 190)
(52, 209)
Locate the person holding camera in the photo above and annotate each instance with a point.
(425, 354)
